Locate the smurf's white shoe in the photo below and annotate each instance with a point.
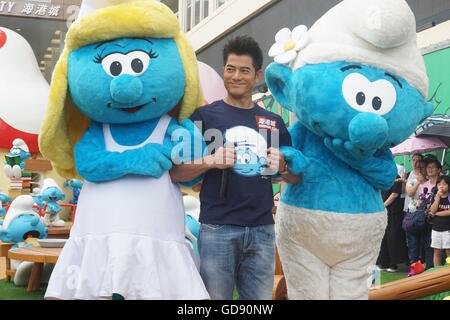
(17, 171)
(8, 171)
(58, 223)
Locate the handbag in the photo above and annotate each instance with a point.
(414, 222)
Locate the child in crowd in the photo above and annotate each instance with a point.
(440, 215)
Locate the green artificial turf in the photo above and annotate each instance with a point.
(391, 276)
(8, 291)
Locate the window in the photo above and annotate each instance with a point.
(192, 12)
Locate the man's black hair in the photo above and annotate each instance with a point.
(244, 45)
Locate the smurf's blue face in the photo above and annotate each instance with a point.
(52, 194)
(14, 151)
(126, 80)
(23, 227)
(369, 107)
(73, 184)
(248, 163)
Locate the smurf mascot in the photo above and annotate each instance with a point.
(357, 83)
(123, 69)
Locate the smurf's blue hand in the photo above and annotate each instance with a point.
(346, 151)
(95, 164)
(378, 168)
(296, 161)
(53, 207)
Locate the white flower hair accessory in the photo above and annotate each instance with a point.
(288, 43)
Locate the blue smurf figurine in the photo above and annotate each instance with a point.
(357, 83)
(23, 227)
(15, 159)
(4, 199)
(51, 194)
(76, 186)
(37, 197)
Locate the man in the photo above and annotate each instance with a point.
(236, 243)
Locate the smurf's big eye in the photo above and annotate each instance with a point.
(246, 158)
(133, 63)
(138, 62)
(361, 94)
(115, 68)
(113, 64)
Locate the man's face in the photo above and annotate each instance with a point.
(240, 76)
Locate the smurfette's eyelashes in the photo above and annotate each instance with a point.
(99, 57)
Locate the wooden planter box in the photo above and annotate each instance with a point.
(38, 165)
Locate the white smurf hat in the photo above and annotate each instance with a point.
(19, 143)
(20, 205)
(36, 192)
(192, 206)
(378, 33)
(48, 183)
(87, 6)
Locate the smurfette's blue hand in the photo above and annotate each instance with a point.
(96, 164)
(157, 158)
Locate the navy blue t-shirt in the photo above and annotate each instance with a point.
(248, 199)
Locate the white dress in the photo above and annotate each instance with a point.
(128, 238)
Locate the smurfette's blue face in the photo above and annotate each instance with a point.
(370, 107)
(52, 194)
(25, 226)
(126, 80)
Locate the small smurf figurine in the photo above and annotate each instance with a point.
(23, 227)
(76, 186)
(4, 199)
(51, 194)
(15, 159)
(37, 197)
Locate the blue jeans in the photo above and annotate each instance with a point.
(419, 246)
(237, 257)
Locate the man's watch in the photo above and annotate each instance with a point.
(286, 169)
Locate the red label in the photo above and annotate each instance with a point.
(266, 123)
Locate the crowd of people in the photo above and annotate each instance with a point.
(423, 192)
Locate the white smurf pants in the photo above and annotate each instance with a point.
(328, 255)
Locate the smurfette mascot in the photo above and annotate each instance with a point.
(124, 68)
(357, 83)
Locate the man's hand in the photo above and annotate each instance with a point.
(223, 158)
(275, 160)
